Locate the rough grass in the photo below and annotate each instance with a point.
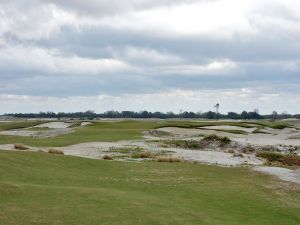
(55, 151)
(107, 157)
(19, 125)
(36, 188)
(126, 150)
(208, 141)
(169, 159)
(20, 147)
(289, 160)
(232, 131)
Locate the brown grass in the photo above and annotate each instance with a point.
(20, 147)
(56, 151)
(143, 155)
(291, 160)
(169, 159)
(107, 157)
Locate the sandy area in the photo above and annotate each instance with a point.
(55, 125)
(249, 130)
(37, 134)
(275, 137)
(281, 173)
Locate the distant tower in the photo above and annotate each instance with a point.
(217, 106)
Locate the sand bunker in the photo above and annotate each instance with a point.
(281, 173)
(249, 130)
(54, 125)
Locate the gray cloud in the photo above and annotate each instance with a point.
(90, 48)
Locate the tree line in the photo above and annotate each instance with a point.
(160, 115)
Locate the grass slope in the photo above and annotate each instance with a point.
(39, 188)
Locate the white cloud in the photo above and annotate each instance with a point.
(219, 67)
(49, 61)
(172, 100)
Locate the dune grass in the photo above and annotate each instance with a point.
(42, 188)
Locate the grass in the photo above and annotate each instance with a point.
(98, 131)
(19, 125)
(274, 157)
(208, 141)
(41, 188)
(108, 131)
(232, 131)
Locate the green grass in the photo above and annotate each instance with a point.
(107, 131)
(40, 188)
(232, 131)
(99, 131)
(19, 125)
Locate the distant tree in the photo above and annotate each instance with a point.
(244, 115)
(274, 115)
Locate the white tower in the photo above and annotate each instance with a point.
(217, 106)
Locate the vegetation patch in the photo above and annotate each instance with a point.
(289, 160)
(233, 131)
(55, 151)
(126, 150)
(169, 159)
(20, 147)
(75, 124)
(208, 141)
(107, 157)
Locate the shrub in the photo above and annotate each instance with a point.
(142, 155)
(248, 149)
(238, 155)
(56, 151)
(270, 156)
(291, 160)
(215, 138)
(107, 157)
(169, 159)
(20, 147)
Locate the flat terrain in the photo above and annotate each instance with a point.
(40, 188)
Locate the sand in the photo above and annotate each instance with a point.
(281, 173)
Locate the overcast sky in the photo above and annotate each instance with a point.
(158, 55)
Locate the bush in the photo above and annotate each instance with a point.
(107, 157)
(20, 147)
(169, 159)
(291, 160)
(142, 155)
(248, 149)
(216, 138)
(56, 151)
(270, 156)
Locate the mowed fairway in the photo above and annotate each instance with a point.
(40, 188)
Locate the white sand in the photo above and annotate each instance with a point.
(55, 125)
(281, 173)
(249, 130)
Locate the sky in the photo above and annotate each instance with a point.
(158, 55)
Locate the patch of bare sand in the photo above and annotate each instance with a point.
(281, 173)
(225, 127)
(55, 125)
(37, 134)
